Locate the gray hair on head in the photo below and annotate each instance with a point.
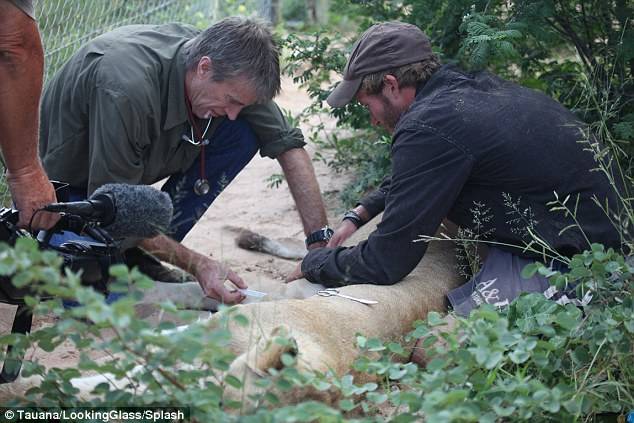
(239, 48)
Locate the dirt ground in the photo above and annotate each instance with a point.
(248, 203)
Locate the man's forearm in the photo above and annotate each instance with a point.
(302, 182)
(21, 70)
(173, 252)
(211, 274)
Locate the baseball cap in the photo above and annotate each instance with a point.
(383, 46)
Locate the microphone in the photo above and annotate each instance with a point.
(98, 208)
(124, 210)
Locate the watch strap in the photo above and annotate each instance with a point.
(354, 217)
(322, 234)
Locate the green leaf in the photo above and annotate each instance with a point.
(233, 381)
(435, 319)
(581, 356)
(396, 373)
(375, 345)
(530, 269)
(347, 404)
(519, 356)
(396, 348)
(287, 359)
(241, 320)
(271, 398)
(377, 397)
(455, 396)
(566, 320)
(361, 341)
(119, 271)
(321, 385)
(370, 387)
(493, 359)
(504, 411)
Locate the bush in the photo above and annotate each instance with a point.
(534, 361)
(579, 52)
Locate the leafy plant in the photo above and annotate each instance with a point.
(535, 361)
(275, 180)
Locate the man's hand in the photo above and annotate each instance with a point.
(342, 233)
(295, 274)
(212, 275)
(31, 190)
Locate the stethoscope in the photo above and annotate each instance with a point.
(201, 186)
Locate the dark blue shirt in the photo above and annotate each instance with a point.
(489, 155)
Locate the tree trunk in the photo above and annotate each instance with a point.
(316, 12)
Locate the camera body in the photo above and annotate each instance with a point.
(91, 258)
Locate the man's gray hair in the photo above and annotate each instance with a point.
(239, 48)
(408, 75)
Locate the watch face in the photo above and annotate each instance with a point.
(201, 187)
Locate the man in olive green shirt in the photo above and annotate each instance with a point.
(142, 103)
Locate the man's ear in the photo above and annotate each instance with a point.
(204, 70)
(391, 87)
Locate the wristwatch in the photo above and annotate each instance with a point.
(322, 234)
(354, 217)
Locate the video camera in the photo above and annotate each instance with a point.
(93, 258)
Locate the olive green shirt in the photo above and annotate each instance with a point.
(116, 111)
(26, 6)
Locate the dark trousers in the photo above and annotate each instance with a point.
(231, 147)
(500, 281)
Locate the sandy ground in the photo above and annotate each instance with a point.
(247, 202)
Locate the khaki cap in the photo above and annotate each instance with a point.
(383, 46)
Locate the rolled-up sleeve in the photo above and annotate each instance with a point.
(428, 173)
(274, 134)
(116, 140)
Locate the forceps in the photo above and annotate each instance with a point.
(330, 292)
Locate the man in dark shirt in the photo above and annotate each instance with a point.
(463, 144)
(146, 102)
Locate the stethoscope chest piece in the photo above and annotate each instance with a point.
(201, 186)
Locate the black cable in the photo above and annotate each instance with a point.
(33, 217)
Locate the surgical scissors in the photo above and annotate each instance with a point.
(332, 292)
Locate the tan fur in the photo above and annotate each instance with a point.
(284, 248)
(324, 328)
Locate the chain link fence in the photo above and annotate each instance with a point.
(67, 24)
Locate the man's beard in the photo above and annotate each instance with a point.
(391, 114)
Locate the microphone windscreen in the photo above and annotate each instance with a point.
(141, 211)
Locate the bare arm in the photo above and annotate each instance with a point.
(21, 68)
(302, 182)
(211, 274)
(346, 228)
(344, 231)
